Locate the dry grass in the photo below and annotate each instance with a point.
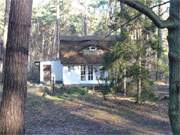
(73, 114)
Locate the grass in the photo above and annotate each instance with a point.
(76, 91)
(69, 94)
(75, 107)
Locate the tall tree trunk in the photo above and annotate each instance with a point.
(159, 51)
(123, 14)
(139, 83)
(125, 82)
(85, 27)
(57, 31)
(15, 75)
(43, 47)
(174, 69)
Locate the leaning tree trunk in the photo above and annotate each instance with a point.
(174, 69)
(15, 75)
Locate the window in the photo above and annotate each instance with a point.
(101, 74)
(92, 48)
(90, 72)
(70, 68)
(83, 73)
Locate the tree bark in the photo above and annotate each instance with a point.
(15, 75)
(174, 68)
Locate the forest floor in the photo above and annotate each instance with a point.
(88, 114)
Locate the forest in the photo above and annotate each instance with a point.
(89, 67)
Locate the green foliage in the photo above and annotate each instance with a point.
(76, 91)
(148, 95)
(137, 72)
(135, 53)
(104, 89)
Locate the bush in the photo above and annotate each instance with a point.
(148, 95)
(104, 89)
(76, 90)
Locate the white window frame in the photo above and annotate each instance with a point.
(70, 68)
(83, 73)
(92, 48)
(90, 72)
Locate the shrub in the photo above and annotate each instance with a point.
(76, 90)
(148, 95)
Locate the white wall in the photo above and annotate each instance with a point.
(74, 76)
(56, 68)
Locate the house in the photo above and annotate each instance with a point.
(80, 61)
(50, 70)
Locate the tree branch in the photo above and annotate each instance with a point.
(149, 13)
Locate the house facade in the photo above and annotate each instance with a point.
(50, 71)
(80, 61)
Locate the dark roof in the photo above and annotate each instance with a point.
(71, 49)
(89, 38)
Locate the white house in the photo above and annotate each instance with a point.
(50, 71)
(80, 62)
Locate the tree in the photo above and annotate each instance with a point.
(173, 26)
(6, 20)
(15, 69)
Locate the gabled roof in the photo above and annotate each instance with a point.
(89, 38)
(71, 49)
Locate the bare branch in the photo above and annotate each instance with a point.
(139, 14)
(149, 13)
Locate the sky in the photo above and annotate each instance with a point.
(37, 2)
(77, 5)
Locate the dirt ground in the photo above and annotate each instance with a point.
(91, 115)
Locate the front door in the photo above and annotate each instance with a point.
(47, 73)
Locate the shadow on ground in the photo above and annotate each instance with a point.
(90, 115)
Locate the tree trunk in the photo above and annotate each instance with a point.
(57, 43)
(174, 69)
(85, 28)
(139, 83)
(15, 75)
(43, 47)
(159, 51)
(125, 82)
